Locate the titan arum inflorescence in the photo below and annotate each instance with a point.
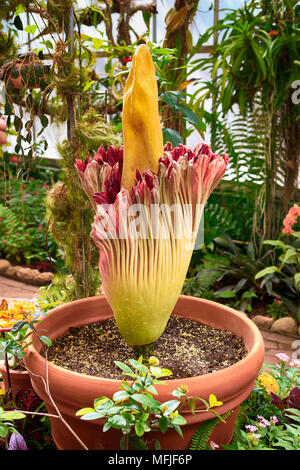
(148, 202)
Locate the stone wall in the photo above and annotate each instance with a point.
(27, 275)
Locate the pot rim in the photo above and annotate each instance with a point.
(255, 351)
(11, 370)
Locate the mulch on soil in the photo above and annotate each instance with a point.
(186, 347)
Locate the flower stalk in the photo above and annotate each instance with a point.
(145, 228)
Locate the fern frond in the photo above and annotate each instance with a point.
(9, 219)
(202, 435)
(200, 284)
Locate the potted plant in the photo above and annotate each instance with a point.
(143, 263)
(17, 320)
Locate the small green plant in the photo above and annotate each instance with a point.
(277, 309)
(7, 422)
(243, 303)
(285, 270)
(264, 434)
(134, 411)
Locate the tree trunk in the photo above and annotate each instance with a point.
(177, 24)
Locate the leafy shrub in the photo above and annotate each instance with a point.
(269, 418)
(277, 310)
(23, 237)
(282, 276)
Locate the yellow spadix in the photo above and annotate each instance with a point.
(142, 132)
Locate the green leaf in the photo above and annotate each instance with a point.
(18, 326)
(106, 426)
(170, 135)
(170, 99)
(147, 401)
(91, 416)
(125, 368)
(248, 295)
(18, 23)
(297, 278)
(268, 270)
(189, 114)
(17, 123)
(48, 44)
(117, 421)
(7, 109)
(180, 420)
(84, 411)
(288, 254)
(139, 428)
(97, 43)
(19, 9)
(121, 395)
(166, 372)
(156, 371)
(278, 243)
(88, 85)
(157, 445)
(4, 429)
(139, 366)
(171, 404)
(31, 28)
(12, 415)
(163, 424)
(178, 429)
(46, 340)
(152, 390)
(44, 120)
(226, 294)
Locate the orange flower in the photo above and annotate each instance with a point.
(291, 219)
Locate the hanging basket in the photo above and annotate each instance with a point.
(26, 75)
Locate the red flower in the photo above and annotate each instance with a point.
(40, 227)
(127, 59)
(273, 32)
(14, 159)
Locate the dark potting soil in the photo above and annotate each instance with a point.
(186, 347)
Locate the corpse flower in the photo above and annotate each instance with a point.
(148, 201)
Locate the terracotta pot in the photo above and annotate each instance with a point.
(27, 75)
(19, 380)
(72, 391)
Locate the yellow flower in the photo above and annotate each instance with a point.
(268, 382)
(153, 361)
(20, 310)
